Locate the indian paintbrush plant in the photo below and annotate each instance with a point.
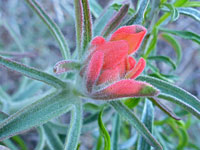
(110, 71)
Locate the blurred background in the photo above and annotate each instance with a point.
(24, 38)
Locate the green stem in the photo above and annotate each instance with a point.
(162, 19)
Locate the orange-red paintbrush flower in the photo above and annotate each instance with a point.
(109, 70)
(110, 64)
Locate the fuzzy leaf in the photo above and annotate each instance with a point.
(175, 94)
(41, 143)
(136, 123)
(74, 130)
(79, 24)
(29, 91)
(147, 119)
(65, 66)
(181, 103)
(194, 13)
(87, 28)
(46, 108)
(52, 27)
(115, 132)
(101, 22)
(139, 15)
(116, 20)
(52, 139)
(95, 8)
(32, 73)
(164, 108)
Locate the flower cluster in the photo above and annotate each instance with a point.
(109, 70)
(110, 63)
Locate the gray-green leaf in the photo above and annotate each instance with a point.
(175, 94)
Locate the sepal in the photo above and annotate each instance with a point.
(125, 88)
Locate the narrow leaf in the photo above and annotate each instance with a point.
(182, 104)
(20, 142)
(135, 122)
(60, 128)
(116, 20)
(115, 132)
(95, 8)
(101, 22)
(194, 13)
(74, 131)
(99, 143)
(153, 42)
(132, 102)
(174, 43)
(192, 4)
(56, 103)
(87, 35)
(30, 90)
(66, 66)
(175, 94)
(184, 34)
(164, 108)
(173, 11)
(104, 132)
(52, 138)
(179, 3)
(147, 119)
(129, 143)
(79, 24)
(54, 29)
(139, 15)
(165, 59)
(32, 73)
(41, 142)
(91, 107)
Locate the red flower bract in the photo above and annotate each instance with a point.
(110, 63)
